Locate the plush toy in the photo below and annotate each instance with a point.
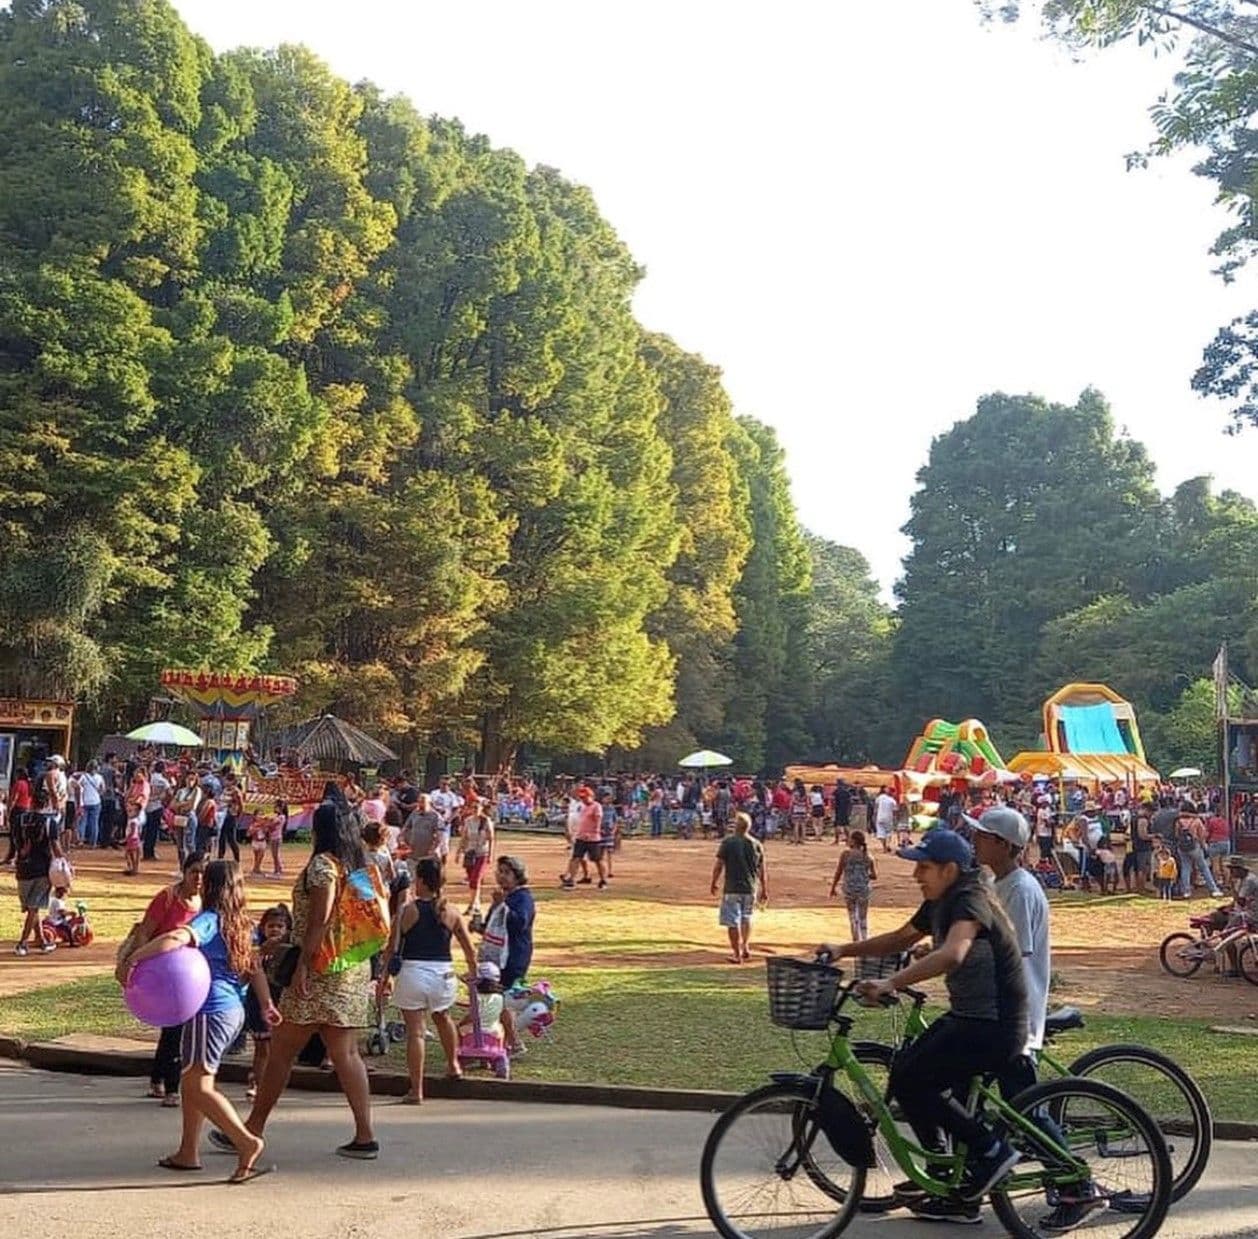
(534, 1006)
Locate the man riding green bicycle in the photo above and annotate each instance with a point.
(983, 1033)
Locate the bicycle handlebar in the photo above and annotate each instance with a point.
(916, 996)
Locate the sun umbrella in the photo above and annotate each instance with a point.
(704, 759)
(166, 733)
(1186, 772)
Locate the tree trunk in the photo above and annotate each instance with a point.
(497, 750)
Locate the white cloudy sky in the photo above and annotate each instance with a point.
(867, 215)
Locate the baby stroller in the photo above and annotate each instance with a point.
(480, 1047)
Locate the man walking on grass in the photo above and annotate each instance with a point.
(741, 859)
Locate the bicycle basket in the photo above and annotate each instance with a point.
(878, 967)
(801, 995)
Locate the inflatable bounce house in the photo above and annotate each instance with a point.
(1092, 737)
(955, 750)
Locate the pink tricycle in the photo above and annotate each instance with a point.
(481, 1040)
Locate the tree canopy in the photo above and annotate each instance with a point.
(293, 378)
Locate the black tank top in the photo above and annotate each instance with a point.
(428, 938)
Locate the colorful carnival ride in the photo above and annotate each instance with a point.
(1091, 736)
(227, 703)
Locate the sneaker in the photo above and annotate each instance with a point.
(946, 1209)
(20, 949)
(602, 884)
(360, 1150)
(982, 1172)
(585, 881)
(47, 948)
(1072, 1211)
(566, 884)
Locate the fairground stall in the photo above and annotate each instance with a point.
(32, 730)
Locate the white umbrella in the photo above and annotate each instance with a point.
(166, 733)
(704, 759)
(1186, 772)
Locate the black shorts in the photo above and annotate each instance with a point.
(843, 817)
(818, 811)
(587, 849)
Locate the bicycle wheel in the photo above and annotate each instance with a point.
(768, 1171)
(885, 1173)
(1247, 961)
(1180, 955)
(1166, 1092)
(1123, 1189)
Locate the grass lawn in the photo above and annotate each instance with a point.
(685, 1027)
(644, 998)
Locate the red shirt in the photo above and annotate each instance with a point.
(1216, 830)
(590, 823)
(167, 911)
(20, 795)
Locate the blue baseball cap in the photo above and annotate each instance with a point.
(941, 846)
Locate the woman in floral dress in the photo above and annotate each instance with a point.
(334, 1005)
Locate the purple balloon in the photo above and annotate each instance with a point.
(168, 989)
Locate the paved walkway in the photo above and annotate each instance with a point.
(79, 1153)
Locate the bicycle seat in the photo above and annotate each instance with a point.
(1062, 1020)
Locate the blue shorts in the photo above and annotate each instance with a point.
(736, 910)
(208, 1036)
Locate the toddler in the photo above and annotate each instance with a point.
(274, 932)
(1166, 870)
(259, 828)
(132, 845)
(489, 1001)
(275, 837)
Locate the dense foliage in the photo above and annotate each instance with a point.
(1209, 110)
(293, 378)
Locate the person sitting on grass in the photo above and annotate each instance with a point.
(976, 951)
(740, 859)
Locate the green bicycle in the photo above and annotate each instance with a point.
(791, 1158)
(1158, 1084)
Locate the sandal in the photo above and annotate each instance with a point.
(156, 1090)
(246, 1174)
(169, 1163)
(170, 1101)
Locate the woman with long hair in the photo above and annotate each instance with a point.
(332, 1004)
(172, 907)
(223, 933)
(426, 983)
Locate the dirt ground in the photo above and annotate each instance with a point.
(658, 912)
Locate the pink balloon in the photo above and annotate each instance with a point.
(168, 989)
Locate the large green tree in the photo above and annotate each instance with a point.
(770, 677)
(1207, 110)
(1026, 511)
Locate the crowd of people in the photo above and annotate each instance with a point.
(267, 978)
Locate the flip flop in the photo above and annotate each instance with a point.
(408, 1100)
(248, 1174)
(169, 1163)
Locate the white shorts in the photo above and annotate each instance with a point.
(425, 985)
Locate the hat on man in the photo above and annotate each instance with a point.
(1006, 823)
(581, 792)
(1240, 862)
(941, 846)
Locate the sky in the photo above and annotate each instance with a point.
(867, 216)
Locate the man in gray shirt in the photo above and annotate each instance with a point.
(421, 831)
